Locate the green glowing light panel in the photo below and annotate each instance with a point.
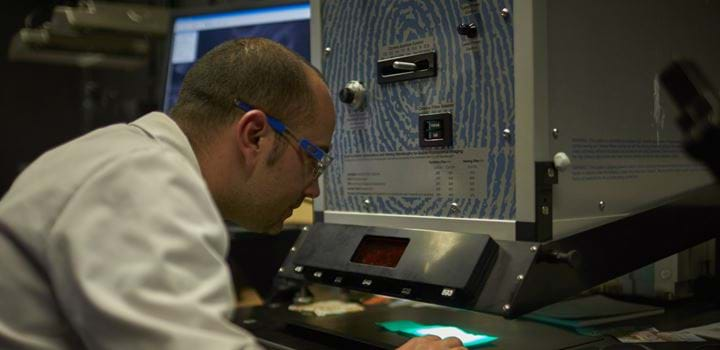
(443, 331)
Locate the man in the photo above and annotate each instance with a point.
(116, 240)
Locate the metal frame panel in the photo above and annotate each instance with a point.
(614, 119)
(498, 229)
(532, 137)
(530, 101)
(316, 58)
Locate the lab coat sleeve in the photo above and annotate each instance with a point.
(137, 259)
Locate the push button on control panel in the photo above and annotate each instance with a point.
(435, 130)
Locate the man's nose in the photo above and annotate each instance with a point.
(313, 190)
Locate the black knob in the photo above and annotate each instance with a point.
(571, 258)
(467, 29)
(346, 95)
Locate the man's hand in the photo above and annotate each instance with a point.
(433, 342)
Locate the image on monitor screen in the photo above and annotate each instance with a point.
(195, 35)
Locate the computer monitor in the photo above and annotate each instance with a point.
(196, 32)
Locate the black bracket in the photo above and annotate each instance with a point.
(541, 230)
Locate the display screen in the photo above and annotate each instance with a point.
(194, 35)
(380, 251)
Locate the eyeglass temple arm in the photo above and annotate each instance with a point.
(274, 123)
(314, 151)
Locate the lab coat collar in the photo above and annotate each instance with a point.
(161, 127)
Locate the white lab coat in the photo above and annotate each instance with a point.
(123, 224)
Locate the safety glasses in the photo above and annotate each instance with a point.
(321, 158)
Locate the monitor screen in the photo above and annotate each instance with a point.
(195, 34)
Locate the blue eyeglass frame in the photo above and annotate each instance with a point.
(323, 160)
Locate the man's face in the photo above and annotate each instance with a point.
(281, 187)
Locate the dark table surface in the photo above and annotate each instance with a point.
(278, 328)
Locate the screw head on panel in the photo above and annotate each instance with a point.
(506, 307)
(555, 133)
(507, 134)
(306, 228)
(454, 208)
(327, 51)
(505, 12)
(601, 205)
(551, 173)
(534, 248)
(281, 270)
(520, 277)
(366, 203)
(545, 210)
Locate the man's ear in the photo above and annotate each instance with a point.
(252, 133)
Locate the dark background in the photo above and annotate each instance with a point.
(43, 105)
